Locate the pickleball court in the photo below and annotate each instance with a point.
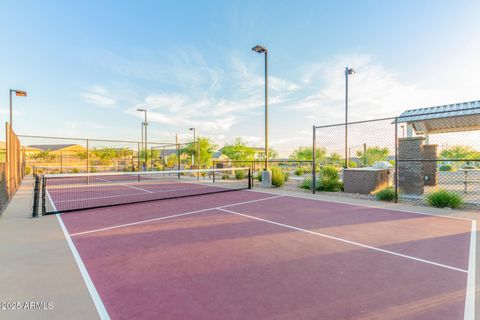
(256, 255)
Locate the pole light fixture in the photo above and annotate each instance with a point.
(144, 127)
(261, 49)
(348, 71)
(18, 93)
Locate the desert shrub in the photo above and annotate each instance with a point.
(75, 170)
(444, 199)
(352, 164)
(93, 169)
(225, 176)
(306, 184)
(239, 174)
(259, 176)
(329, 172)
(28, 170)
(328, 184)
(328, 180)
(278, 177)
(287, 176)
(299, 171)
(387, 194)
(445, 167)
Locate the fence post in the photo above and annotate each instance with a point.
(249, 178)
(314, 176)
(395, 178)
(88, 156)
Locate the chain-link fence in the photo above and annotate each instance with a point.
(428, 159)
(79, 155)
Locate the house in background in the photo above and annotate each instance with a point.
(54, 149)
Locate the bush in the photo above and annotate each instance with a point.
(299, 171)
(287, 176)
(278, 177)
(352, 164)
(328, 180)
(468, 167)
(75, 170)
(259, 176)
(225, 176)
(444, 199)
(306, 184)
(28, 170)
(329, 172)
(445, 167)
(239, 174)
(387, 194)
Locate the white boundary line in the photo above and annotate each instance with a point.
(126, 185)
(346, 241)
(102, 312)
(171, 216)
(364, 205)
(470, 294)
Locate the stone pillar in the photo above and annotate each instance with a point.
(410, 173)
(430, 167)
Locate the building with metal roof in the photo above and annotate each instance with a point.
(456, 117)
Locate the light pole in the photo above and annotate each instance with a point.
(144, 125)
(261, 49)
(18, 93)
(348, 71)
(193, 156)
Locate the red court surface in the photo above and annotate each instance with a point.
(250, 255)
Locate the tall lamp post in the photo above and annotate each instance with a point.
(261, 49)
(144, 125)
(194, 140)
(348, 71)
(18, 93)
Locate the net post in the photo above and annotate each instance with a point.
(313, 160)
(249, 178)
(36, 196)
(44, 190)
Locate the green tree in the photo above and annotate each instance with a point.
(206, 146)
(335, 159)
(44, 155)
(238, 150)
(305, 153)
(460, 152)
(373, 154)
(151, 154)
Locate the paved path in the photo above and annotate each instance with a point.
(36, 265)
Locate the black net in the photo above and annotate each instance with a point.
(71, 192)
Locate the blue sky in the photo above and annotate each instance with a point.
(87, 65)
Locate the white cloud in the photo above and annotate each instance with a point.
(373, 90)
(99, 96)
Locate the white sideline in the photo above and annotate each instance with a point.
(346, 241)
(172, 216)
(102, 311)
(469, 313)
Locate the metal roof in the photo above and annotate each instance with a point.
(456, 117)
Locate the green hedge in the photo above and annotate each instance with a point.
(444, 199)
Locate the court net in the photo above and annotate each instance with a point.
(71, 192)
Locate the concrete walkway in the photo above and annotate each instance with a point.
(36, 265)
